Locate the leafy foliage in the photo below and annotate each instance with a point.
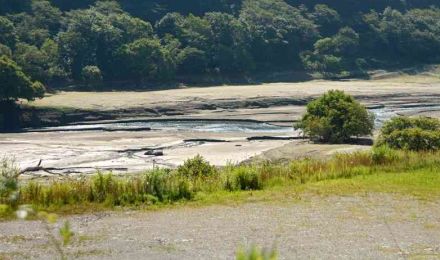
(91, 74)
(8, 183)
(197, 167)
(15, 83)
(336, 117)
(54, 40)
(418, 134)
(66, 233)
(161, 40)
(244, 178)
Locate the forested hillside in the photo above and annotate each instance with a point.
(87, 41)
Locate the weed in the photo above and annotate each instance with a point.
(255, 253)
(66, 233)
(8, 182)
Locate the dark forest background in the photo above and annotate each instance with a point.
(90, 42)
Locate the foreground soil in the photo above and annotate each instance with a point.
(366, 226)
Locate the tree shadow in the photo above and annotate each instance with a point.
(10, 116)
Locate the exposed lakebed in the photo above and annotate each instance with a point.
(224, 124)
(218, 126)
(382, 114)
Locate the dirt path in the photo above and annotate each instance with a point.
(369, 226)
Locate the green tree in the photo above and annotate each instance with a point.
(40, 64)
(327, 19)
(8, 35)
(145, 59)
(333, 56)
(46, 16)
(32, 60)
(393, 35)
(27, 29)
(90, 38)
(15, 84)
(229, 50)
(53, 69)
(336, 117)
(5, 50)
(171, 23)
(278, 32)
(191, 61)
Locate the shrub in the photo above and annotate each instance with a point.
(383, 155)
(103, 187)
(336, 117)
(244, 178)
(166, 185)
(415, 134)
(158, 185)
(8, 182)
(197, 167)
(91, 74)
(5, 210)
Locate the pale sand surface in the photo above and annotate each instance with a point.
(115, 100)
(277, 103)
(75, 150)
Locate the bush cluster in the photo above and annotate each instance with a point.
(416, 134)
(336, 117)
(243, 178)
(197, 167)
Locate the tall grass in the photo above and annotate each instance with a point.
(163, 186)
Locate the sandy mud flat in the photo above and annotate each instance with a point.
(123, 150)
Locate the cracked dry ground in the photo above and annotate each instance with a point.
(364, 226)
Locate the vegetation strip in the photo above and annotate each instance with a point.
(197, 180)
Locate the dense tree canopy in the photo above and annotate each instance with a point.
(56, 41)
(15, 84)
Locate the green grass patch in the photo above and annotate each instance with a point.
(422, 183)
(383, 170)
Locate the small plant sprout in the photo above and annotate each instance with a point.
(256, 253)
(66, 233)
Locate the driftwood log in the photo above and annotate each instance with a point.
(66, 171)
(38, 168)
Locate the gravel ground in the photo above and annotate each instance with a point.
(368, 226)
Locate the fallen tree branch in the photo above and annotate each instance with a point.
(67, 170)
(32, 169)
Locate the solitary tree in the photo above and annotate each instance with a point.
(335, 117)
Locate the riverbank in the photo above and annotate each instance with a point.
(270, 102)
(197, 180)
(123, 150)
